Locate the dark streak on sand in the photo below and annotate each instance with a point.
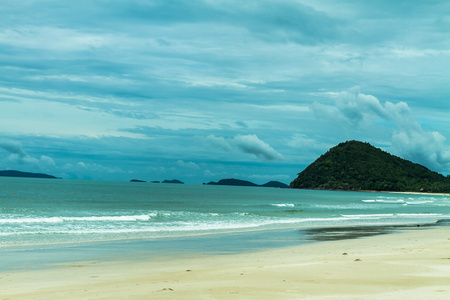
(342, 233)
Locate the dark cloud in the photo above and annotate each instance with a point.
(14, 148)
(153, 86)
(282, 21)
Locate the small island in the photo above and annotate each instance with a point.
(356, 166)
(13, 173)
(275, 184)
(173, 181)
(137, 180)
(238, 182)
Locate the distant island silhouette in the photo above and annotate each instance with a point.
(157, 181)
(14, 173)
(173, 181)
(137, 180)
(239, 182)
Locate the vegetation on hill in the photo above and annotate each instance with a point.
(355, 165)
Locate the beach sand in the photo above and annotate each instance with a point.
(414, 264)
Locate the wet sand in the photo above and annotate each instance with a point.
(413, 264)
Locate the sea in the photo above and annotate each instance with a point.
(46, 220)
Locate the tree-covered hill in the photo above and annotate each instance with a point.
(355, 165)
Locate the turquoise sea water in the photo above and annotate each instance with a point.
(36, 212)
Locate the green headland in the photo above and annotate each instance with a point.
(356, 166)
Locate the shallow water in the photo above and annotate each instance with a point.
(45, 221)
(44, 211)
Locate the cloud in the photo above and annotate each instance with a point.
(253, 145)
(218, 143)
(409, 139)
(283, 108)
(355, 106)
(46, 162)
(249, 144)
(15, 148)
(424, 147)
(214, 69)
(358, 109)
(279, 177)
(18, 156)
(287, 21)
(188, 165)
(305, 142)
(31, 116)
(51, 39)
(87, 170)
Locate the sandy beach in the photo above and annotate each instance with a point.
(409, 265)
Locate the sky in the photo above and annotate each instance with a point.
(200, 90)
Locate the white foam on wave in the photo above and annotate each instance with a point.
(418, 202)
(418, 215)
(283, 204)
(173, 227)
(197, 226)
(110, 218)
(407, 201)
(369, 216)
(32, 220)
(393, 201)
(393, 215)
(75, 219)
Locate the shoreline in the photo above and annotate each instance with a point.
(420, 193)
(42, 256)
(385, 192)
(410, 264)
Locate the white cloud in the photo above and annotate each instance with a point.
(355, 106)
(47, 162)
(409, 139)
(34, 117)
(416, 52)
(279, 177)
(188, 165)
(92, 168)
(218, 143)
(52, 38)
(283, 108)
(18, 157)
(304, 142)
(424, 147)
(253, 145)
(249, 144)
